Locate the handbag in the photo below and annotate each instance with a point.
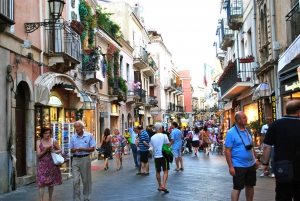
(57, 158)
(167, 153)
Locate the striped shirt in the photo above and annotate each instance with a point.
(144, 137)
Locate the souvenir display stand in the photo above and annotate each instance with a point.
(67, 133)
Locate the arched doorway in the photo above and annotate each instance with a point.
(22, 98)
(122, 124)
(129, 120)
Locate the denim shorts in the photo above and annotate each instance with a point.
(176, 153)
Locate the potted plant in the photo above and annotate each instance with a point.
(247, 59)
(248, 79)
(77, 27)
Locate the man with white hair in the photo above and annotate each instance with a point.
(157, 141)
(82, 144)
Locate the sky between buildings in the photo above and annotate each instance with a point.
(188, 29)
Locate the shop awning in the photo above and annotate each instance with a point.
(262, 91)
(44, 83)
(88, 103)
(220, 112)
(228, 106)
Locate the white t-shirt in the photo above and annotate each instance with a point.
(196, 136)
(264, 129)
(157, 141)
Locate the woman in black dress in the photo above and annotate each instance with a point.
(106, 147)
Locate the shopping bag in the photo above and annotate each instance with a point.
(57, 158)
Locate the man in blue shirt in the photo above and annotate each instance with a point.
(176, 142)
(241, 158)
(144, 150)
(82, 144)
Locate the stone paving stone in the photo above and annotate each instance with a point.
(204, 178)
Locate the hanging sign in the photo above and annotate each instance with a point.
(260, 112)
(54, 101)
(273, 103)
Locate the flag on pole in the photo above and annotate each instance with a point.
(205, 81)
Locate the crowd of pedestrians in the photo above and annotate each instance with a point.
(281, 146)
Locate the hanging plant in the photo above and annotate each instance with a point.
(90, 62)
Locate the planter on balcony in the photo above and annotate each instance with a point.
(88, 51)
(91, 78)
(239, 79)
(77, 27)
(248, 79)
(247, 59)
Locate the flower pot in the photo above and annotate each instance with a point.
(246, 60)
(239, 79)
(248, 79)
(88, 51)
(77, 27)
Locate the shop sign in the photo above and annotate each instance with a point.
(260, 112)
(273, 103)
(290, 87)
(154, 112)
(54, 101)
(104, 114)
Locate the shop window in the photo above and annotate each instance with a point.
(88, 119)
(251, 112)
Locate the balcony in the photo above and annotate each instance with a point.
(140, 58)
(142, 100)
(152, 81)
(133, 92)
(6, 13)
(64, 46)
(235, 79)
(179, 109)
(226, 36)
(169, 84)
(92, 78)
(151, 69)
(179, 89)
(235, 14)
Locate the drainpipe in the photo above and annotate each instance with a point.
(276, 80)
(255, 64)
(42, 39)
(8, 134)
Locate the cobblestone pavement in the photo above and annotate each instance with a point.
(204, 178)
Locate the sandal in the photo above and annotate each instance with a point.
(181, 169)
(164, 189)
(138, 173)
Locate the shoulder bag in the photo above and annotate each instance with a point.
(57, 158)
(283, 169)
(167, 152)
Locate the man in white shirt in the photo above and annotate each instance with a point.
(264, 129)
(157, 141)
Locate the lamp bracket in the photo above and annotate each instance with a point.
(31, 27)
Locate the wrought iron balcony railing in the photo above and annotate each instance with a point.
(63, 40)
(140, 53)
(7, 11)
(152, 64)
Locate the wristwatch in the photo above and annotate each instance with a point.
(266, 164)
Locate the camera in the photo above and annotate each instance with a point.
(249, 146)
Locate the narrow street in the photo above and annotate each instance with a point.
(204, 178)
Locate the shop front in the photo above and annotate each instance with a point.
(58, 104)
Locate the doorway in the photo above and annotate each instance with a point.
(20, 118)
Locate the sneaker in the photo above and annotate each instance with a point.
(263, 175)
(272, 175)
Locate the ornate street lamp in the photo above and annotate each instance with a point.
(215, 86)
(56, 8)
